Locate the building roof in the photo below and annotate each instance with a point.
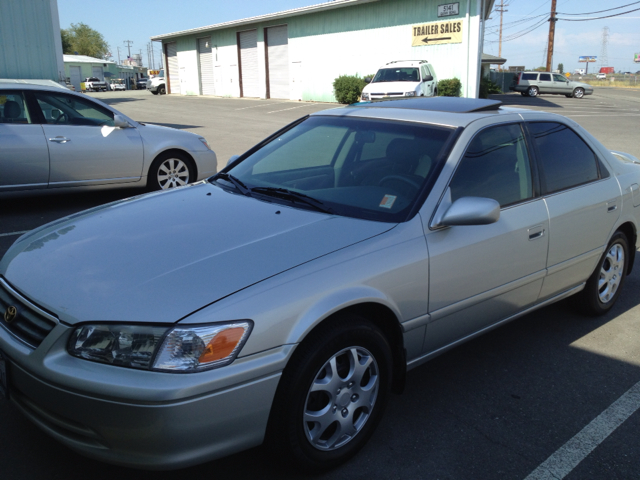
(493, 60)
(270, 16)
(85, 59)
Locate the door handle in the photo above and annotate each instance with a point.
(59, 139)
(612, 206)
(536, 232)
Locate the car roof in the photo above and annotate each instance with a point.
(404, 63)
(13, 83)
(450, 111)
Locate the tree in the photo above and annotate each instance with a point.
(561, 68)
(81, 39)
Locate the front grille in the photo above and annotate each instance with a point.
(30, 324)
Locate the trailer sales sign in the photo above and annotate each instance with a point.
(437, 33)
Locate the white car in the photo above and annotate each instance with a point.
(118, 85)
(601, 76)
(412, 78)
(54, 138)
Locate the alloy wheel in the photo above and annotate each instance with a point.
(341, 398)
(611, 273)
(173, 173)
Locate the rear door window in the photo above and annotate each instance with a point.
(545, 77)
(565, 159)
(13, 108)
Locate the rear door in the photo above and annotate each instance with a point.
(24, 156)
(545, 83)
(84, 146)
(583, 200)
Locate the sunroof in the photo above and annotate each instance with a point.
(436, 104)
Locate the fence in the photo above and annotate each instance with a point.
(502, 79)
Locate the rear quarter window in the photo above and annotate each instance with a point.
(529, 76)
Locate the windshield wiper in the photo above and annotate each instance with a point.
(293, 196)
(236, 182)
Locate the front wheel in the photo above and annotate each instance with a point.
(162, 90)
(578, 93)
(170, 170)
(332, 394)
(604, 286)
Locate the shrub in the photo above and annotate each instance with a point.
(347, 88)
(449, 87)
(487, 87)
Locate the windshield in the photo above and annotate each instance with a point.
(363, 168)
(397, 75)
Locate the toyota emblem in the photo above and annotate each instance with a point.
(10, 314)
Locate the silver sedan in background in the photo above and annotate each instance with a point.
(292, 291)
(51, 138)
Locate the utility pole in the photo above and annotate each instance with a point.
(129, 42)
(552, 31)
(118, 55)
(500, 8)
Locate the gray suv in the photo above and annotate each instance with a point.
(532, 84)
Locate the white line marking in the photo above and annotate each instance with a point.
(256, 106)
(12, 233)
(292, 108)
(567, 457)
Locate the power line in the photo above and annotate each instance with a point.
(601, 11)
(597, 18)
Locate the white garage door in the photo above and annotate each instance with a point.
(74, 77)
(206, 66)
(249, 63)
(97, 72)
(174, 71)
(278, 57)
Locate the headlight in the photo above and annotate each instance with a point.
(410, 94)
(178, 349)
(206, 144)
(365, 97)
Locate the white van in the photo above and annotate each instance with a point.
(402, 78)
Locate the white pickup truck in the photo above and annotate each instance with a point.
(94, 84)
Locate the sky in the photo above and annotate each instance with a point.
(137, 21)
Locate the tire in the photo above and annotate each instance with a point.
(322, 381)
(578, 93)
(604, 286)
(170, 170)
(533, 92)
(162, 90)
(155, 93)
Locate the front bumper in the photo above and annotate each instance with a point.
(139, 418)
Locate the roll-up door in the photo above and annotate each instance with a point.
(206, 66)
(278, 57)
(75, 78)
(249, 63)
(97, 72)
(174, 72)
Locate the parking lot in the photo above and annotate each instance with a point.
(496, 407)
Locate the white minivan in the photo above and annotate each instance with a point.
(406, 78)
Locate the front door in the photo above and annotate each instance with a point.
(481, 274)
(84, 146)
(24, 156)
(561, 84)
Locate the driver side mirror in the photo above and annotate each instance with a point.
(367, 79)
(472, 211)
(120, 122)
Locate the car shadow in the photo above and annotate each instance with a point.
(515, 99)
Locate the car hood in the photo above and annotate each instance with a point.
(160, 257)
(389, 87)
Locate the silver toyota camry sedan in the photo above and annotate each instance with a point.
(55, 139)
(292, 291)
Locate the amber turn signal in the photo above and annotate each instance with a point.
(222, 345)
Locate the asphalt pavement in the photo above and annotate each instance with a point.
(551, 395)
